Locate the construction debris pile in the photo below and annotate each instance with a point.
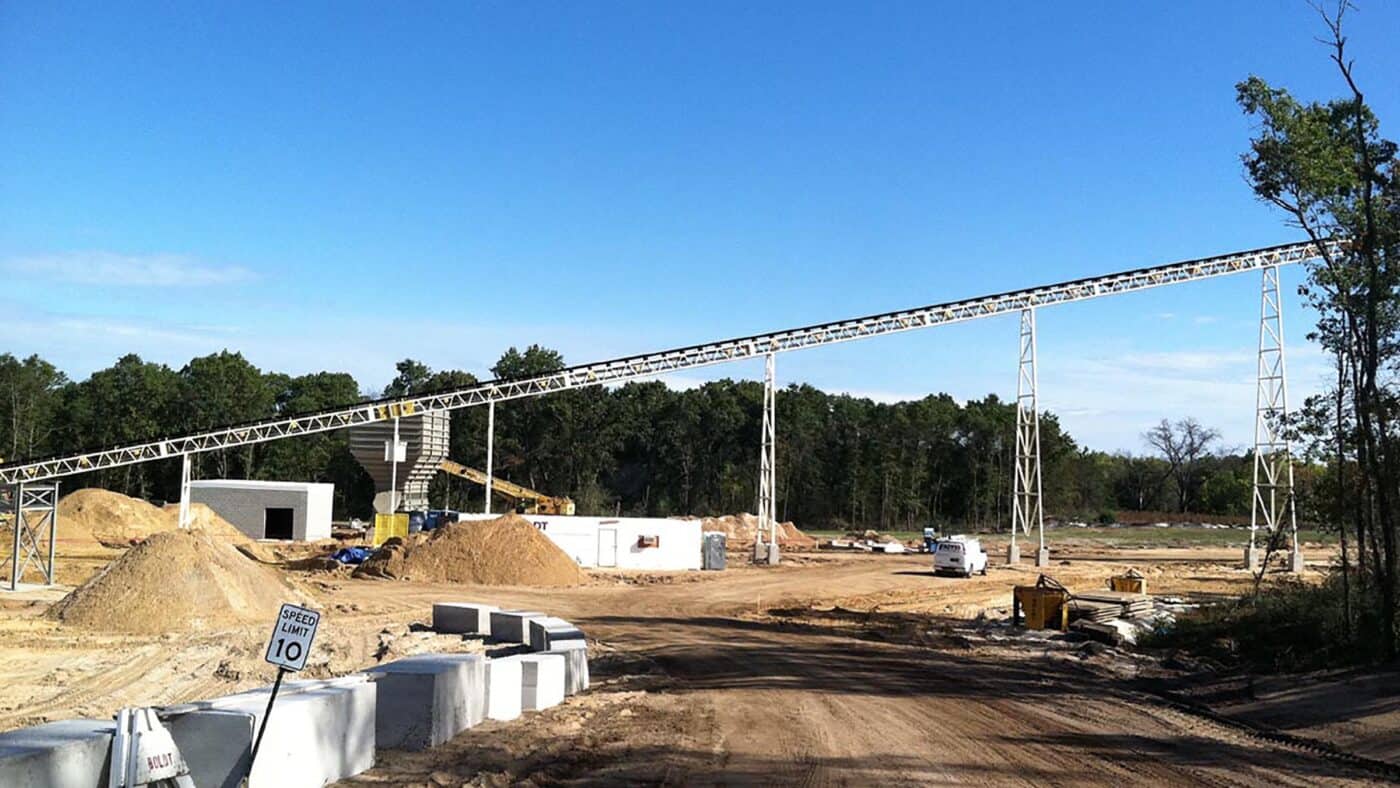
(177, 581)
(1103, 606)
(741, 529)
(505, 551)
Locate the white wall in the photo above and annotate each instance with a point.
(580, 538)
(245, 504)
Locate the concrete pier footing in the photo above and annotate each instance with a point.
(319, 732)
(1252, 557)
(541, 680)
(575, 654)
(427, 699)
(67, 754)
(503, 691)
(1013, 554)
(1042, 557)
(513, 626)
(1295, 562)
(462, 618)
(546, 632)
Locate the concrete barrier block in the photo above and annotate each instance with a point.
(575, 654)
(503, 688)
(215, 744)
(319, 732)
(542, 679)
(513, 626)
(462, 618)
(546, 632)
(67, 754)
(427, 699)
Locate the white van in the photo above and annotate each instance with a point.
(959, 555)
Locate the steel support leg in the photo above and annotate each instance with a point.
(490, 451)
(18, 525)
(1273, 505)
(1026, 508)
(767, 507)
(36, 511)
(184, 491)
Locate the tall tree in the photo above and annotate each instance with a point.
(1184, 446)
(1327, 167)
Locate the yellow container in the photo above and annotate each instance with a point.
(1044, 607)
(387, 526)
(1131, 583)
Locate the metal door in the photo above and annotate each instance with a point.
(607, 547)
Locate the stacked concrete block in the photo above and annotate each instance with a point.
(513, 626)
(461, 618)
(319, 732)
(427, 699)
(503, 693)
(575, 653)
(541, 680)
(545, 633)
(67, 754)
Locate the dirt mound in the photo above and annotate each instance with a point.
(177, 581)
(204, 519)
(108, 518)
(507, 551)
(740, 530)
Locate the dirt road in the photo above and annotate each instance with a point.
(852, 670)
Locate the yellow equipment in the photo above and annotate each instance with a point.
(388, 526)
(1046, 605)
(1131, 582)
(527, 501)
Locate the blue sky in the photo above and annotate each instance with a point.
(337, 186)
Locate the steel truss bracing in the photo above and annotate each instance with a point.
(35, 531)
(1026, 509)
(653, 364)
(767, 507)
(1273, 464)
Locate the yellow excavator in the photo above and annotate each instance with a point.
(526, 500)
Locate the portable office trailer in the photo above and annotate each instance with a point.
(622, 542)
(297, 511)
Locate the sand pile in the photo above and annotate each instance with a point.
(740, 530)
(109, 518)
(507, 551)
(177, 581)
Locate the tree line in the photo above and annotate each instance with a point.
(639, 449)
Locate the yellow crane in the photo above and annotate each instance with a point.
(527, 501)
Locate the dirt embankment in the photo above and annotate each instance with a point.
(177, 581)
(507, 551)
(115, 520)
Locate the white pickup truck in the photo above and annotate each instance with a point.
(959, 555)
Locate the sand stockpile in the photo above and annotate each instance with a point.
(507, 551)
(109, 518)
(740, 530)
(177, 581)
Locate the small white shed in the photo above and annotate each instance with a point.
(621, 542)
(296, 511)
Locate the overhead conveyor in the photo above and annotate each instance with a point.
(649, 365)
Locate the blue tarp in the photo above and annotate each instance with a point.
(352, 555)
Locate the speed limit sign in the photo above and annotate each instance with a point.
(291, 637)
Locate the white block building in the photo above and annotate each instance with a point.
(622, 542)
(298, 511)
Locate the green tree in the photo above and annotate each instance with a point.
(30, 399)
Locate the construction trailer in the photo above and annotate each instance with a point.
(621, 542)
(293, 511)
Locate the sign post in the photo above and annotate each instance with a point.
(288, 649)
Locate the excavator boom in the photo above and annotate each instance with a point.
(535, 502)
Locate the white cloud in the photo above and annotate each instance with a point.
(1205, 320)
(111, 269)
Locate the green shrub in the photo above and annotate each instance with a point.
(1289, 626)
(1107, 517)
